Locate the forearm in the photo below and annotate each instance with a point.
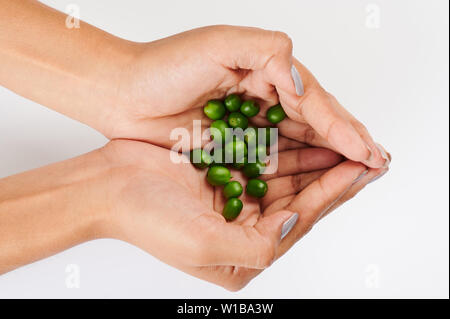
(50, 209)
(75, 71)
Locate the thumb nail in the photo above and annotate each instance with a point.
(297, 81)
(387, 161)
(288, 225)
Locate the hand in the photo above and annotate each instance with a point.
(170, 210)
(143, 90)
(131, 191)
(170, 80)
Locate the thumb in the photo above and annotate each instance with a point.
(249, 246)
(328, 118)
(277, 225)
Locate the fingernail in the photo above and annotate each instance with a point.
(297, 81)
(288, 225)
(384, 156)
(360, 176)
(377, 177)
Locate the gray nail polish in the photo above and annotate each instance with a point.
(360, 176)
(377, 177)
(384, 155)
(297, 81)
(288, 225)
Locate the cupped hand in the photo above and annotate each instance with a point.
(170, 80)
(170, 210)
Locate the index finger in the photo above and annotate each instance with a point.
(315, 199)
(316, 108)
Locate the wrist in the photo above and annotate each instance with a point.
(111, 73)
(50, 209)
(75, 71)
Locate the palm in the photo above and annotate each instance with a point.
(180, 184)
(187, 206)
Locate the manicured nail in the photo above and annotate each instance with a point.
(360, 176)
(384, 156)
(297, 81)
(288, 225)
(377, 177)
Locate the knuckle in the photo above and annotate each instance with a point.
(283, 40)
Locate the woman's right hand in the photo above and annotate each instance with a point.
(169, 209)
(132, 191)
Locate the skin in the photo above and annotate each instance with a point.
(108, 194)
(141, 91)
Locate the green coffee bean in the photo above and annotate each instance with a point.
(232, 189)
(232, 209)
(214, 109)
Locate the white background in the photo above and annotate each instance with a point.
(390, 241)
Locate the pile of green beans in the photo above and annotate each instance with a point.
(234, 113)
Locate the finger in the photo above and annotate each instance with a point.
(278, 204)
(288, 185)
(318, 109)
(303, 160)
(294, 130)
(245, 275)
(298, 131)
(302, 132)
(243, 246)
(285, 144)
(285, 201)
(268, 52)
(378, 158)
(315, 199)
(160, 131)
